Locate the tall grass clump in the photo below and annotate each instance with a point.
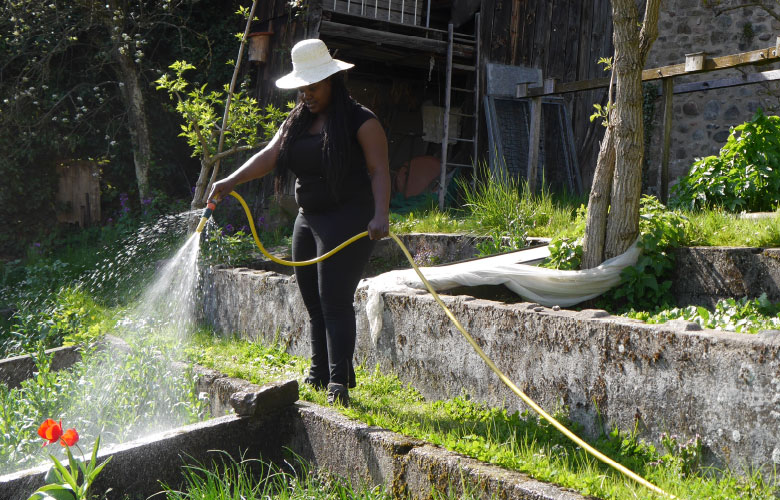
(244, 479)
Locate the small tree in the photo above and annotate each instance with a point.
(74, 73)
(248, 126)
(612, 222)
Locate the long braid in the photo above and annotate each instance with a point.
(336, 140)
(297, 123)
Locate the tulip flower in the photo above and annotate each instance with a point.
(63, 482)
(69, 438)
(50, 430)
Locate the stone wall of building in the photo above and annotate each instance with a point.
(702, 119)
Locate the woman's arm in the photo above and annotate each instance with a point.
(372, 140)
(260, 164)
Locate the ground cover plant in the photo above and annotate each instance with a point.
(119, 396)
(516, 440)
(742, 315)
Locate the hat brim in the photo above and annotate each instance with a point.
(301, 78)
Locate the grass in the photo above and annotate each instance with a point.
(518, 441)
(252, 479)
(718, 228)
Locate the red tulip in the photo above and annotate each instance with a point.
(69, 438)
(50, 430)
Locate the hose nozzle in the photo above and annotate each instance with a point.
(210, 206)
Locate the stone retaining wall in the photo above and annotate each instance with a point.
(662, 378)
(321, 437)
(706, 275)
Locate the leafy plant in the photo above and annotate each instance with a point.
(744, 176)
(502, 242)
(646, 285)
(742, 315)
(247, 127)
(565, 254)
(62, 482)
(221, 247)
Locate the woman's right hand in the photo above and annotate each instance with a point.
(222, 188)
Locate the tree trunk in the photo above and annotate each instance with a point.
(598, 204)
(623, 217)
(617, 182)
(199, 195)
(139, 128)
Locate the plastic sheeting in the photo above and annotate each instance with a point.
(548, 287)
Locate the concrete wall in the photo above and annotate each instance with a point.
(324, 439)
(18, 368)
(702, 119)
(706, 275)
(666, 378)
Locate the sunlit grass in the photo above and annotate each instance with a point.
(718, 228)
(517, 441)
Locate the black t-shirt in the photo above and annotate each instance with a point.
(311, 191)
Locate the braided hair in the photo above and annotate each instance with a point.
(336, 136)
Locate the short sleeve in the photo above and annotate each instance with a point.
(361, 115)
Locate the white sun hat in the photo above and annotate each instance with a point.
(311, 63)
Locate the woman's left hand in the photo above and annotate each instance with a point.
(379, 227)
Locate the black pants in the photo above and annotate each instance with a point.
(328, 288)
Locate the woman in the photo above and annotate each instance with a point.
(337, 150)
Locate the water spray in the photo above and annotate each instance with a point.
(210, 206)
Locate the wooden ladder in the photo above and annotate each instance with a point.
(473, 117)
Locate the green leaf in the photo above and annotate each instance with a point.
(53, 491)
(64, 473)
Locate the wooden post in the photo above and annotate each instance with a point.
(668, 89)
(534, 133)
(446, 124)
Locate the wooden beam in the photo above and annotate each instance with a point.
(668, 84)
(764, 76)
(754, 57)
(534, 135)
(330, 28)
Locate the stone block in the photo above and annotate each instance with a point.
(265, 399)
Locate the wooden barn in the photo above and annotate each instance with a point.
(444, 77)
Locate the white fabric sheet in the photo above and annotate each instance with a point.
(548, 287)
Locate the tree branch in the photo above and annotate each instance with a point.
(649, 31)
(761, 5)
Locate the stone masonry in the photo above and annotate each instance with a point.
(603, 370)
(702, 119)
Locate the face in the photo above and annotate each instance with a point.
(316, 97)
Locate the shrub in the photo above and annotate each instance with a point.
(745, 176)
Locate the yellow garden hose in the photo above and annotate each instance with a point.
(535, 407)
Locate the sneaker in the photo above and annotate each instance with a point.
(338, 394)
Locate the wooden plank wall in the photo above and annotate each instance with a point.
(565, 38)
(288, 29)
